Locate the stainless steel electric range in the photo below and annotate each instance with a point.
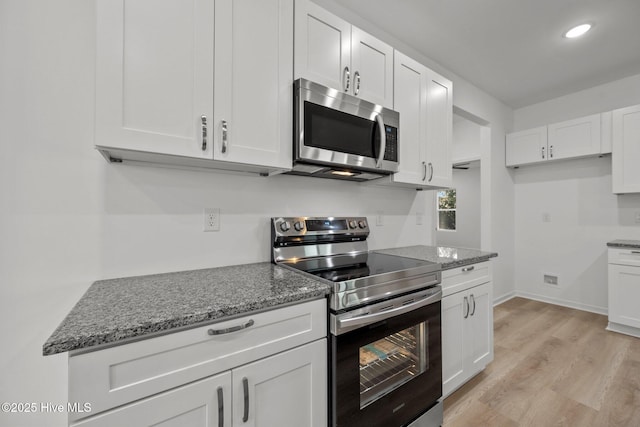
(385, 358)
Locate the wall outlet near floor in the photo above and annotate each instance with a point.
(379, 218)
(546, 217)
(211, 219)
(551, 279)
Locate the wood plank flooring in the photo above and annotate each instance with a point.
(553, 366)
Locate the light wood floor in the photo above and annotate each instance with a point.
(553, 366)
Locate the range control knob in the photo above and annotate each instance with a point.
(285, 226)
(362, 224)
(299, 225)
(352, 224)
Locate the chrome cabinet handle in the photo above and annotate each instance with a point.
(231, 329)
(543, 152)
(424, 171)
(245, 388)
(203, 120)
(635, 252)
(465, 269)
(383, 140)
(431, 170)
(551, 151)
(473, 300)
(346, 76)
(356, 76)
(224, 136)
(220, 407)
(466, 304)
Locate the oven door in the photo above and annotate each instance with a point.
(337, 129)
(386, 361)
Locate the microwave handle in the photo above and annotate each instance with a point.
(383, 140)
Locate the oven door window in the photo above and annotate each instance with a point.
(390, 362)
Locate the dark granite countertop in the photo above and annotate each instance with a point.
(624, 244)
(132, 307)
(448, 257)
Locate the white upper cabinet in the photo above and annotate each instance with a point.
(333, 53)
(527, 146)
(424, 100)
(575, 138)
(626, 150)
(253, 82)
(439, 130)
(154, 75)
(166, 93)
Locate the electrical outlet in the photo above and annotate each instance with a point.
(637, 217)
(546, 217)
(551, 279)
(419, 218)
(212, 219)
(379, 218)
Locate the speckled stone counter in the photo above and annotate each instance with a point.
(635, 244)
(448, 257)
(119, 309)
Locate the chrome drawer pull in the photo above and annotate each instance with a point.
(466, 305)
(465, 269)
(473, 300)
(635, 252)
(231, 329)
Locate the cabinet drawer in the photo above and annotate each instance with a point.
(461, 278)
(121, 374)
(624, 256)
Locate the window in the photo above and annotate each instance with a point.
(447, 210)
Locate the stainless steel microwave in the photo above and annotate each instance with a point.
(337, 135)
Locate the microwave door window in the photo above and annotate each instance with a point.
(334, 130)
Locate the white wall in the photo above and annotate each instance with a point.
(466, 140)
(68, 218)
(583, 212)
(468, 196)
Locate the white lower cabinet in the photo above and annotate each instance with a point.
(467, 325)
(288, 389)
(624, 291)
(202, 403)
(265, 369)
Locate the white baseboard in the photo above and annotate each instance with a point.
(503, 298)
(555, 301)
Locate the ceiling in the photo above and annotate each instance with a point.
(514, 49)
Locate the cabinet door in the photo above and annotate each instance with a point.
(439, 130)
(322, 47)
(479, 328)
(574, 138)
(154, 75)
(372, 65)
(527, 146)
(285, 390)
(625, 155)
(199, 404)
(624, 295)
(253, 82)
(454, 346)
(410, 100)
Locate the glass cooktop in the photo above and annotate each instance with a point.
(349, 267)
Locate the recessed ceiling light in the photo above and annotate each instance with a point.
(577, 31)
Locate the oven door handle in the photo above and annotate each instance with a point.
(346, 325)
(383, 140)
